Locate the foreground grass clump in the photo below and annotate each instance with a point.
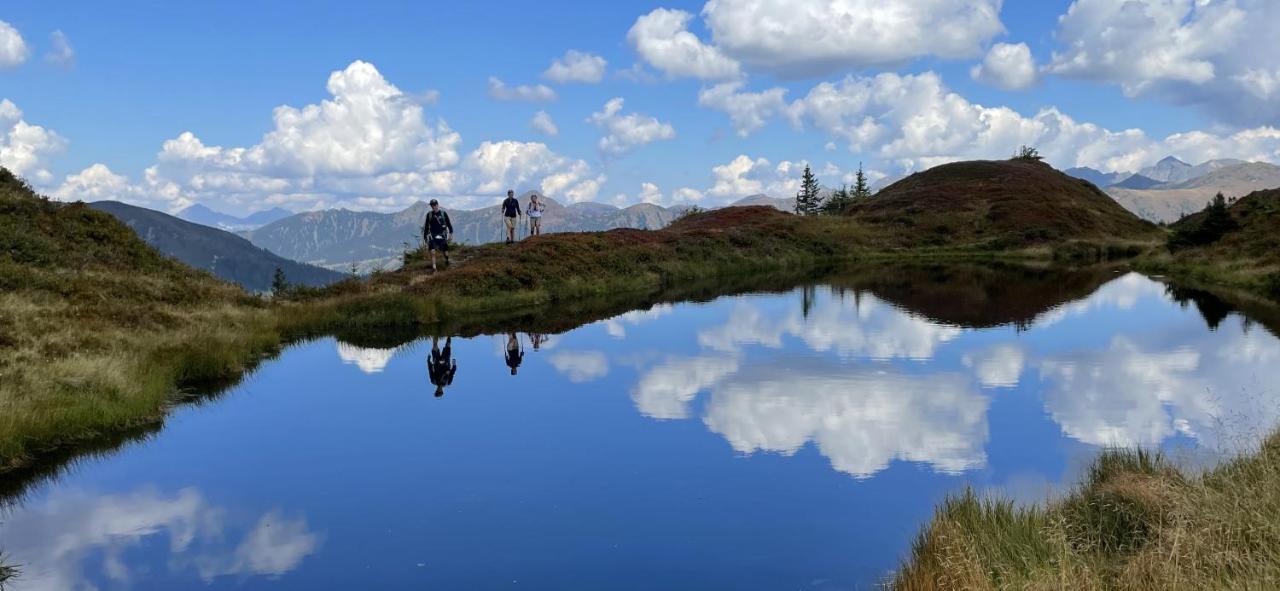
(1136, 522)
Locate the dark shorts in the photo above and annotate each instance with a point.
(439, 244)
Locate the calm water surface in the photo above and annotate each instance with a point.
(777, 441)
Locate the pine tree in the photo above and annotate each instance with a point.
(839, 199)
(860, 188)
(809, 199)
(279, 284)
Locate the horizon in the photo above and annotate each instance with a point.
(678, 103)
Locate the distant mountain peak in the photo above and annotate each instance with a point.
(1171, 160)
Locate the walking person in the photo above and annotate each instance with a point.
(437, 230)
(440, 365)
(510, 213)
(535, 210)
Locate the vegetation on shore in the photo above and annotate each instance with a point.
(1135, 522)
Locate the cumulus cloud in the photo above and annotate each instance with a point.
(525, 92)
(749, 111)
(1184, 51)
(662, 39)
(544, 124)
(795, 38)
(25, 148)
(580, 366)
(744, 176)
(915, 122)
(623, 133)
(576, 66)
(368, 146)
(13, 48)
(1007, 66)
(60, 51)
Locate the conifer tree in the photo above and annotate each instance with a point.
(279, 284)
(809, 199)
(860, 188)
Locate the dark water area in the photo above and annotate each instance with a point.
(796, 439)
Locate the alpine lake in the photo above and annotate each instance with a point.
(792, 436)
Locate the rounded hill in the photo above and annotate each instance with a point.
(999, 203)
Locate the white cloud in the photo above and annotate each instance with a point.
(623, 133)
(544, 124)
(1007, 66)
(576, 66)
(662, 40)
(368, 360)
(749, 111)
(531, 93)
(60, 541)
(802, 37)
(24, 147)
(13, 48)
(743, 177)
(580, 366)
(495, 167)
(616, 326)
(1184, 51)
(60, 51)
(915, 122)
(997, 367)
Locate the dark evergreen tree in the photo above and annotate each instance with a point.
(839, 199)
(279, 283)
(1215, 222)
(809, 199)
(860, 188)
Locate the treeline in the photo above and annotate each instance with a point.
(814, 200)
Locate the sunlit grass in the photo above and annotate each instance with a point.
(1135, 522)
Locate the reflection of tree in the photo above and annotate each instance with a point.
(1212, 308)
(59, 541)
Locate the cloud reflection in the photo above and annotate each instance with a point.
(580, 366)
(368, 360)
(57, 541)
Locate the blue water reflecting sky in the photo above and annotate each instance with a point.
(754, 442)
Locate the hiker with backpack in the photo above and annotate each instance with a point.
(535, 210)
(437, 230)
(510, 213)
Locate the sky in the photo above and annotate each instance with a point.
(244, 106)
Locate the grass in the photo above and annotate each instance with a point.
(1135, 522)
(7, 573)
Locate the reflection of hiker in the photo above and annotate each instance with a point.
(510, 211)
(537, 339)
(514, 354)
(440, 365)
(437, 230)
(535, 210)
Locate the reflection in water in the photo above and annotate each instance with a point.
(440, 365)
(367, 359)
(581, 366)
(859, 420)
(60, 541)
(515, 352)
(997, 367)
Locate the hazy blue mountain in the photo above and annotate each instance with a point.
(1168, 202)
(222, 253)
(203, 215)
(1138, 182)
(1097, 177)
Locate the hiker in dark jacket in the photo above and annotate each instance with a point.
(441, 366)
(510, 212)
(437, 230)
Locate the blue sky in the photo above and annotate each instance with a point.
(1125, 85)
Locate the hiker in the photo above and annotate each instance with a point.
(510, 212)
(514, 354)
(440, 365)
(438, 231)
(535, 210)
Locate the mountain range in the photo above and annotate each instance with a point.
(1172, 188)
(340, 239)
(222, 253)
(203, 215)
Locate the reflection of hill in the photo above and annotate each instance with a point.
(976, 295)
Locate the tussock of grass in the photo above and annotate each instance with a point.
(1135, 522)
(7, 573)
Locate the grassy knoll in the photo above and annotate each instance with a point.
(1135, 522)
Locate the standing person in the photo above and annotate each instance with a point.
(514, 352)
(535, 210)
(510, 212)
(440, 365)
(437, 230)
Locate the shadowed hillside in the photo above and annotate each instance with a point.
(222, 253)
(1000, 203)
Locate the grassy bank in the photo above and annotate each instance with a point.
(1135, 522)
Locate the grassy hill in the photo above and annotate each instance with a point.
(96, 327)
(222, 253)
(1247, 256)
(998, 204)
